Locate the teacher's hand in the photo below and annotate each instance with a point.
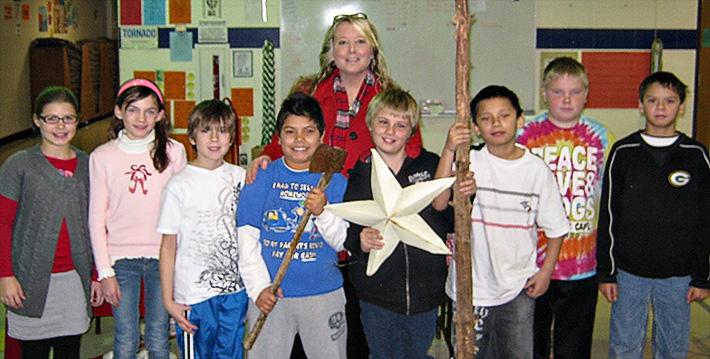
(258, 163)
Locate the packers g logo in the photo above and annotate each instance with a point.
(679, 178)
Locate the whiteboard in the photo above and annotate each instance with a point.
(417, 38)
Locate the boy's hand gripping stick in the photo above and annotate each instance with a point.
(326, 160)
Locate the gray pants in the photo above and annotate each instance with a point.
(505, 331)
(319, 319)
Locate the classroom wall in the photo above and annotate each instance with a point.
(628, 15)
(247, 30)
(245, 14)
(20, 24)
(598, 27)
(628, 20)
(418, 41)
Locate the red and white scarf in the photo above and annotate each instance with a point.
(345, 112)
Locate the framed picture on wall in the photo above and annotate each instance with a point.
(212, 8)
(242, 63)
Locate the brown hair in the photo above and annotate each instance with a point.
(55, 94)
(210, 113)
(159, 153)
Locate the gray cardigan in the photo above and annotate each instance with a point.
(44, 197)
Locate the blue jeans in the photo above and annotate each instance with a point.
(397, 336)
(129, 273)
(629, 317)
(505, 331)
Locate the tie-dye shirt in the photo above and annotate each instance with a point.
(576, 157)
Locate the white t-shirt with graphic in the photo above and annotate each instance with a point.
(199, 206)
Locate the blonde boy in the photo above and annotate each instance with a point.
(399, 302)
(575, 148)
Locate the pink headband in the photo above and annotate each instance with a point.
(141, 82)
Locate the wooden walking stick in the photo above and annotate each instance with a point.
(326, 160)
(464, 319)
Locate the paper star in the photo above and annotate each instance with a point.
(394, 211)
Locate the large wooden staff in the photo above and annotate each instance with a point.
(464, 319)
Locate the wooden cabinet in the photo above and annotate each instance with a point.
(90, 69)
(108, 76)
(99, 77)
(54, 62)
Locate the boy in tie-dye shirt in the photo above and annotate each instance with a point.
(574, 147)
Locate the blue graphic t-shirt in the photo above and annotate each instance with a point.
(274, 205)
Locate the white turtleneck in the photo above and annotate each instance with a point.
(135, 146)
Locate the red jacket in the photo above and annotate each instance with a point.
(358, 139)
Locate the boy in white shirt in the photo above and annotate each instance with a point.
(515, 194)
(199, 254)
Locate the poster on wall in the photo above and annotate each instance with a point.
(174, 88)
(212, 32)
(243, 101)
(131, 12)
(70, 14)
(242, 63)
(25, 12)
(615, 76)
(139, 37)
(148, 75)
(181, 112)
(180, 46)
(42, 17)
(212, 9)
(60, 25)
(153, 12)
(180, 12)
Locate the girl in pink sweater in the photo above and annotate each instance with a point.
(128, 174)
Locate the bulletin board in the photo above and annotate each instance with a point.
(418, 41)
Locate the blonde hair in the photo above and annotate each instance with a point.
(367, 29)
(396, 100)
(564, 66)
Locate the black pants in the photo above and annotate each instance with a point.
(566, 313)
(357, 343)
(64, 347)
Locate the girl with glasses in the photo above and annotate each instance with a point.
(45, 250)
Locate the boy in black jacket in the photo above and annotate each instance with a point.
(399, 302)
(654, 240)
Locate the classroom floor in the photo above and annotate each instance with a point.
(93, 345)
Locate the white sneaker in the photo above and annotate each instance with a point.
(108, 355)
